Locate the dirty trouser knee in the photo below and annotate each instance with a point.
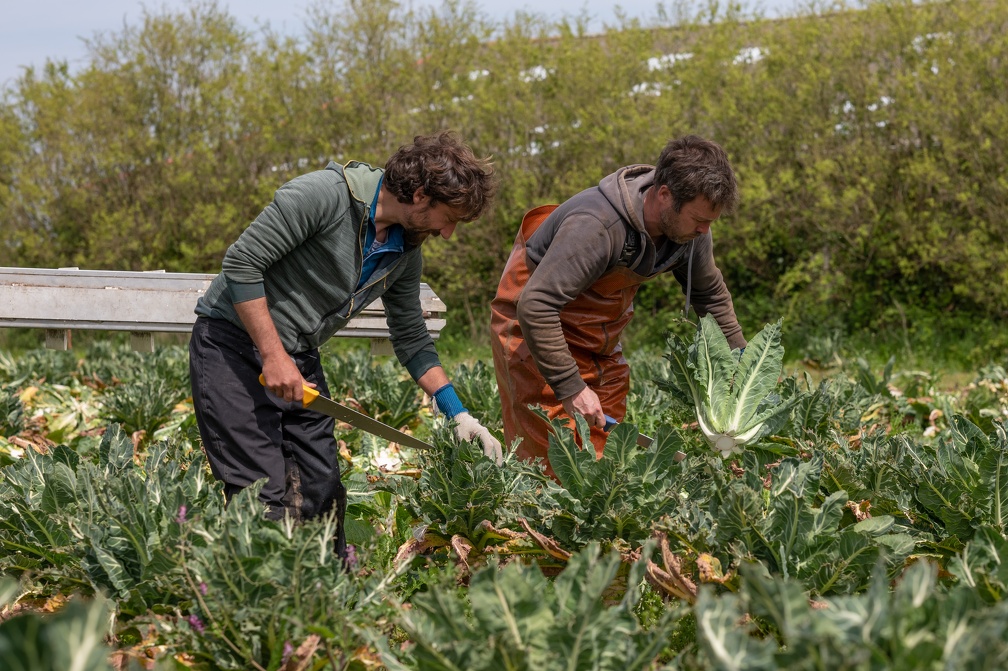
(248, 436)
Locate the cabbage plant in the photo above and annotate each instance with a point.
(732, 390)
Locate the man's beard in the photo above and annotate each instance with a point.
(670, 222)
(415, 238)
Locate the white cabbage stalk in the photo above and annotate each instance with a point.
(733, 393)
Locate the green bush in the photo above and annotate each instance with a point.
(869, 143)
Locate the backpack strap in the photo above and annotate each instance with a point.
(632, 247)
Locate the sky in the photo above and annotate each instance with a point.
(35, 30)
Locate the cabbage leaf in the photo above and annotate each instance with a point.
(733, 391)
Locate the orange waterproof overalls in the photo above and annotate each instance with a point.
(592, 324)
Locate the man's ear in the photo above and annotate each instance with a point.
(419, 197)
(667, 200)
(665, 197)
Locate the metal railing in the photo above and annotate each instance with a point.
(62, 300)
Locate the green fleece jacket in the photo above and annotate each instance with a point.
(304, 254)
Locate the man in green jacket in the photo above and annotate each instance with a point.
(330, 243)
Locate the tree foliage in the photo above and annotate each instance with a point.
(869, 143)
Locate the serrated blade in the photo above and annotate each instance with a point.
(363, 422)
(316, 401)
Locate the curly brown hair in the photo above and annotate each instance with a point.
(446, 169)
(692, 166)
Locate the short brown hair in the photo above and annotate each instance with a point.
(446, 169)
(692, 166)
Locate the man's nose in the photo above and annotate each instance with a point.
(446, 231)
(703, 228)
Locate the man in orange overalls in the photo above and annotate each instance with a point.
(568, 287)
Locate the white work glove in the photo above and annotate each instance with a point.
(467, 428)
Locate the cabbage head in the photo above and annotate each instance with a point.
(733, 391)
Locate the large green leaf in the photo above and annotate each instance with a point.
(756, 375)
(783, 602)
(655, 465)
(617, 497)
(722, 642)
(787, 526)
(521, 620)
(248, 584)
(732, 393)
(73, 639)
(115, 453)
(442, 635)
(509, 607)
(994, 469)
(982, 565)
(460, 490)
(913, 625)
(569, 460)
(37, 502)
(715, 372)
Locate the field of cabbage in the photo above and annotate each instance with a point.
(863, 524)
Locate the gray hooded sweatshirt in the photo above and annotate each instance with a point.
(590, 234)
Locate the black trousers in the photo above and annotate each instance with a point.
(249, 435)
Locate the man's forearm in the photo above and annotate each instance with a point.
(539, 321)
(259, 324)
(280, 375)
(432, 380)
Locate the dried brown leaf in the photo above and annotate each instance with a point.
(548, 544)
